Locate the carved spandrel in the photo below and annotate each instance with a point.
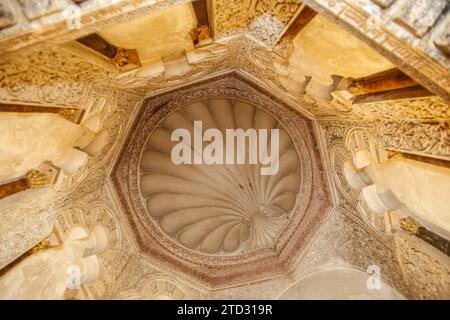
(428, 138)
(421, 15)
(50, 77)
(8, 16)
(427, 271)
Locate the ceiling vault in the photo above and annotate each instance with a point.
(92, 90)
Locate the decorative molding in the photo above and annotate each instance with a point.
(422, 109)
(426, 270)
(36, 9)
(144, 281)
(341, 241)
(428, 138)
(214, 58)
(80, 199)
(86, 197)
(51, 76)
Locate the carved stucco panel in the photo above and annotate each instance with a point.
(77, 199)
(116, 109)
(265, 19)
(335, 134)
(86, 198)
(142, 279)
(24, 224)
(427, 271)
(425, 109)
(99, 208)
(50, 76)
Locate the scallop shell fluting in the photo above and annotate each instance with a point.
(225, 208)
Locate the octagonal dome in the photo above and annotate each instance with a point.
(221, 223)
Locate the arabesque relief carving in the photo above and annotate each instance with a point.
(195, 64)
(427, 137)
(50, 76)
(24, 224)
(341, 232)
(265, 18)
(424, 109)
(141, 279)
(426, 270)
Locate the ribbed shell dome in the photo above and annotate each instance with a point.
(219, 209)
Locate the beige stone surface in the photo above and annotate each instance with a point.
(27, 140)
(323, 49)
(157, 34)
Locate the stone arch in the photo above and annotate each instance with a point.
(338, 283)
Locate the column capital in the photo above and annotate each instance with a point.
(35, 179)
